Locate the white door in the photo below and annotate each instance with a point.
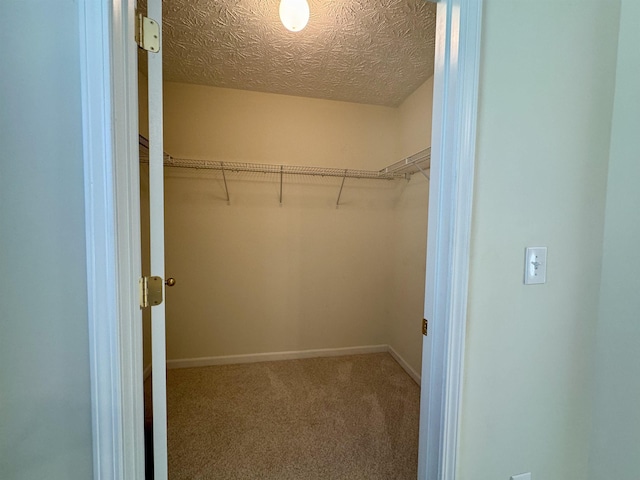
(156, 243)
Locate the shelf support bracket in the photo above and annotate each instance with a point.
(224, 179)
(341, 187)
(281, 174)
(422, 171)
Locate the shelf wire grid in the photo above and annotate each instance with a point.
(399, 170)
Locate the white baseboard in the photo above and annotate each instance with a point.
(275, 356)
(147, 372)
(403, 363)
(293, 355)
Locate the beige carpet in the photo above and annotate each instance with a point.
(352, 417)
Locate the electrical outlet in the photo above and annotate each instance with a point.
(535, 266)
(522, 476)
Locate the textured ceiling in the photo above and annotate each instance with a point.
(365, 51)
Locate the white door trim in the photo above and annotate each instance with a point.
(156, 249)
(112, 219)
(113, 237)
(100, 241)
(456, 77)
(124, 61)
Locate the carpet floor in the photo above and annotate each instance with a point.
(353, 417)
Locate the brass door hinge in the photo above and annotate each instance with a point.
(147, 33)
(150, 291)
(425, 327)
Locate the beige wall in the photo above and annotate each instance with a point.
(254, 277)
(235, 125)
(143, 127)
(546, 89)
(615, 439)
(410, 233)
(415, 120)
(143, 110)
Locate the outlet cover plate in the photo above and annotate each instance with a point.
(522, 476)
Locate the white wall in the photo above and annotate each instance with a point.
(45, 410)
(545, 104)
(616, 434)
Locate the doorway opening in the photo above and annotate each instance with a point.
(272, 266)
(116, 355)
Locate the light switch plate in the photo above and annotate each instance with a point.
(535, 265)
(522, 476)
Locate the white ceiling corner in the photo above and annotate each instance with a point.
(366, 51)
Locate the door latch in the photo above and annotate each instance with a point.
(425, 327)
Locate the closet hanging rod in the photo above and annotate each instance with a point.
(402, 169)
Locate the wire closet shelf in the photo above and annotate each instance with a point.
(403, 169)
(418, 162)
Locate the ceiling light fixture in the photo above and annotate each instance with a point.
(294, 14)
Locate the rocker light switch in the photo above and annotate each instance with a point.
(535, 266)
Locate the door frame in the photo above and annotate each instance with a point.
(108, 70)
(453, 141)
(112, 215)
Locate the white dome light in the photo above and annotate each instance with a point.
(294, 14)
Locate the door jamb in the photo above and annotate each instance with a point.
(110, 136)
(108, 66)
(456, 77)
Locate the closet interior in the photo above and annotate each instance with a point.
(295, 225)
(276, 257)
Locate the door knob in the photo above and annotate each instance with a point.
(170, 282)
